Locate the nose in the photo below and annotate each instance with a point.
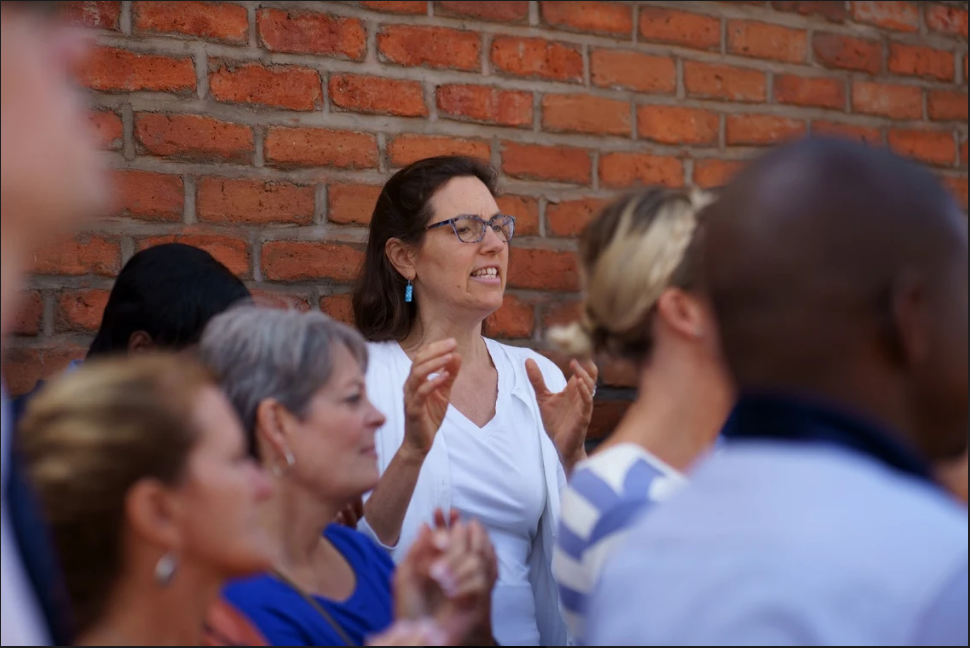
(375, 417)
(491, 242)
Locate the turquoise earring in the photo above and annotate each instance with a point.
(409, 293)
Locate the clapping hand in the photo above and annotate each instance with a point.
(566, 415)
(427, 394)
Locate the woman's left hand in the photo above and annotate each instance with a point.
(566, 415)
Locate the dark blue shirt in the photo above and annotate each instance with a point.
(285, 618)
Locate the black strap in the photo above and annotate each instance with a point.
(780, 418)
(344, 637)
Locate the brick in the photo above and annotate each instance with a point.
(710, 173)
(680, 28)
(714, 81)
(23, 367)
(832, 11)
(291, 87)
(253, 202)
(814, 92)
(311, 261)
(678, 126)
(947, 105)
(378, 96)
(848, 53)
(607, 415)
(80, 311)
(433, 47)
(109, 69)
(78, 256)
(764, 41)
(484, 104)
(230, 251)
(313, 147)
(883, 100)
(525, 210)
(148, 196)
(761, 130)
(570, 218)
(339, 307)
(218, 21)
(281, 300)
(192, 137)
(626, 70)
(864, 134)
(611, 18)
(947, 19)
(618, 372)
(536, 269)
(537, 58)
(107, 128)
(98, 15)
(900, 16)
(914, 60)
(583, 113)
(932, 147)
(633, 169)
(30, 313)
(554, 163)
(958, 187)
(302, 32)
(562, 313)
(351, 204)
(405, 149)
(494, 11)
(963, 153)
(515, 320)
(414, 7)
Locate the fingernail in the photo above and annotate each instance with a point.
(441, 540)
(439, 572)
(432, 633)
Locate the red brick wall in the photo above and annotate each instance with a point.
(263, 133)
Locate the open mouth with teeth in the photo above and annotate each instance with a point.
(486, 273)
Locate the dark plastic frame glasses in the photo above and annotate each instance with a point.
(465, 227)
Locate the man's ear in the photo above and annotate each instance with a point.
(401, 257)
(909, 319)
(140, 342)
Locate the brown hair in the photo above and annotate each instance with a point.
(637, 248)
(91, 436)
(403, 211)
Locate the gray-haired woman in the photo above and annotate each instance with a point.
(297, 382)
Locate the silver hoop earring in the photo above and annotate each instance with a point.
(290, 459)
(165, 570)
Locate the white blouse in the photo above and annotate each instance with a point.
(506, 474)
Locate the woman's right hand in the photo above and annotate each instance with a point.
(427, 394)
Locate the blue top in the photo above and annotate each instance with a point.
(811, 528)
(285, 618)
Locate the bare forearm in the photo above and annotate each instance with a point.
(387, 506)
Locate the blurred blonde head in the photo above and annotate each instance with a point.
(638, 248)
(139, 460)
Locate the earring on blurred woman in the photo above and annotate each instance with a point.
(409, 293)
(165, 570)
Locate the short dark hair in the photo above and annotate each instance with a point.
(170, 292)
(403, 211)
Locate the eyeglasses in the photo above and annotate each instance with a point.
(471, 229)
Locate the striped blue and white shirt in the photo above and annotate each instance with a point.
(605, 496)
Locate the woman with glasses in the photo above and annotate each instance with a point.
(483, 428)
